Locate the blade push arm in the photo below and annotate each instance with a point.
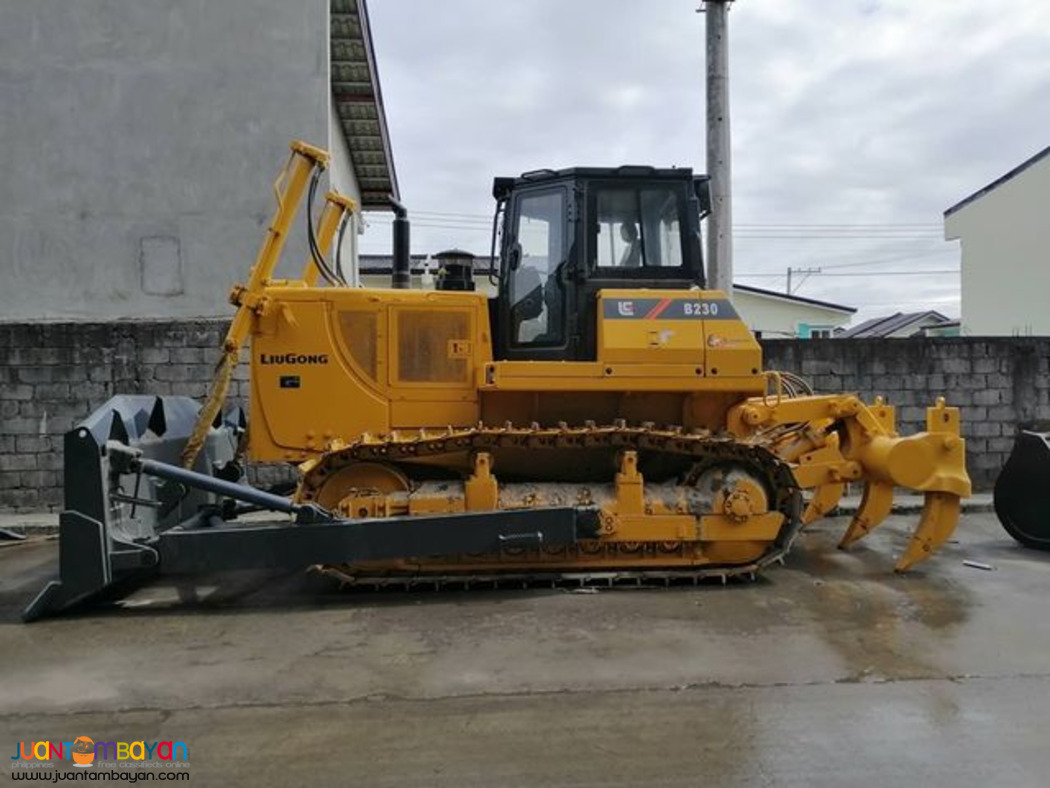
(288, 189)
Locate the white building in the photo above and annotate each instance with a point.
(142, 139)
(1005, 258)
(774, 315)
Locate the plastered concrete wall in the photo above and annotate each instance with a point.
(140, 143)
(1005, 257)
(52, 375)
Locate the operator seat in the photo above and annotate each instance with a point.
(632, 255)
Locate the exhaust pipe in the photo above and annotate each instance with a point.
(401, 267)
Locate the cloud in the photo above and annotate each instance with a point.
(853, 112)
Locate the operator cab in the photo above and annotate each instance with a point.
(567, 234)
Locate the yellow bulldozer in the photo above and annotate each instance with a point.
(604, 415)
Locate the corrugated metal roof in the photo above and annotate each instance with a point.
(359, 102)
(885, 326)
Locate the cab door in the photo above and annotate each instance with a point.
(535, 287)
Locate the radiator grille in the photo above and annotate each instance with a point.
(425, 346)
(359, 333)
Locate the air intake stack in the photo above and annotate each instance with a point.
(456, 270)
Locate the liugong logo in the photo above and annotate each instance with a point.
(293, 358)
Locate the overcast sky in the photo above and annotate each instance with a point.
(855, 122)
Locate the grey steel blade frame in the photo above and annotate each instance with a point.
(127, 451)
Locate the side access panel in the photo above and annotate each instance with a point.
(697, 327)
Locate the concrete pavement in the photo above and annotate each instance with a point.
(830, 670)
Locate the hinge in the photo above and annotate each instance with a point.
(573, 212)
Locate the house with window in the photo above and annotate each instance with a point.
(773, 315)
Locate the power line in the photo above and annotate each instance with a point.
(861, 273)
(829, 226)
(898, 259)
(845, 236)
(806, 273)
(858, 225)
(897, 273)
(418, 223)
(452, 224)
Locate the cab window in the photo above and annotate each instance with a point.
(638, 228)
(537, 254)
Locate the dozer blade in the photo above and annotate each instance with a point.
(824, 499)
(940, 515)
(875, 506)
(1022, 491)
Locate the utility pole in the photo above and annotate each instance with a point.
(807, 272)
(720, 222)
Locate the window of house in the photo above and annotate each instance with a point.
(809, 331)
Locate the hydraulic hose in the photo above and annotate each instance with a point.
(311, 235)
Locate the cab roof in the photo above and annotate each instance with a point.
(503, 186)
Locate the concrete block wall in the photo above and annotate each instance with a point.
(53, 374)
(998, 382)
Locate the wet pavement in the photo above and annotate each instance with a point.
(830, 670)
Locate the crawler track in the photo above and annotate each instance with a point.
(593, 563)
